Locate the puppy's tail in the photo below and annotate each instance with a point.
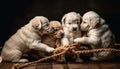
(0, 59)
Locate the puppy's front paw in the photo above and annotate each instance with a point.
(20, 60)
(78, 60)
(77, 40)
(104, 54)
(63, 59)
(94, 58)
(23, 60)
(49, 49)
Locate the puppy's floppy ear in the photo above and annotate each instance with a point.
(94, 21)
(102, 20)
(78, 15)
(63, 20)
(36, 23)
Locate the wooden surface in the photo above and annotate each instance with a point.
(68, 65)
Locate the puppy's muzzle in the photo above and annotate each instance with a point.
(59, 34)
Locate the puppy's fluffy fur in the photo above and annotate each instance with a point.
(98, 35)
(70, 23)
(27, 38)
(50, 39)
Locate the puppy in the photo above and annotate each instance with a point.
(27, 38)
(50, 39)
(70, 23)
(98, 35)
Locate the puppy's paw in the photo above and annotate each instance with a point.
(63, 59)
(94, 59)
(21, 60)
(104, 54)
(77, 40)
(78, 60)
(49, 49)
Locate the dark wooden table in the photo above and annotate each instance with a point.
(68, 65)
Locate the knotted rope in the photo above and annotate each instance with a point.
(63, 50)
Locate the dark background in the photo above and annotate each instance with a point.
(15, 14)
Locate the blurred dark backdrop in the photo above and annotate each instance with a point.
(15, 14)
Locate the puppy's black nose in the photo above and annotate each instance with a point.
(74, 29)
(62, 35)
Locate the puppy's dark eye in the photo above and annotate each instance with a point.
(54, 29)
(84, 22)
(78, 22)
(69, 23)
(47, 24)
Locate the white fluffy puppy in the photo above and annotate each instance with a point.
(98, 35)
(27, 38)
(70, 23)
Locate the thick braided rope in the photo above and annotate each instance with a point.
(95, 50)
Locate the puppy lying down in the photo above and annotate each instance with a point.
(98, 35)
(26, 38)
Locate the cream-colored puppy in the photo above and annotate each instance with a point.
(27, 38)
(98, 35)
(70, 23)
